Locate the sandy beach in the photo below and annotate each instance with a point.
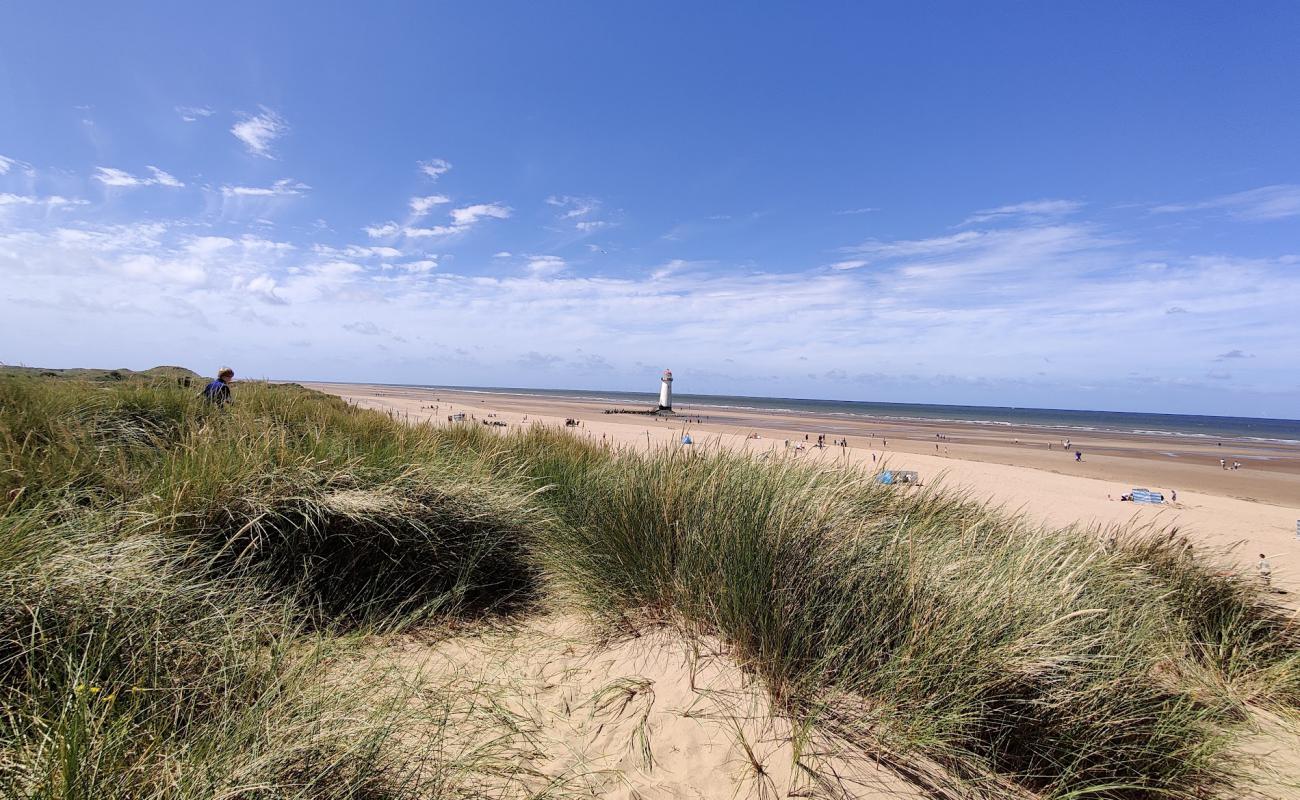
(1251, 510)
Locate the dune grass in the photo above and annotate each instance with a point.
(201, 566)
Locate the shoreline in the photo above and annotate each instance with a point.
(1253, 509)
(691, 406)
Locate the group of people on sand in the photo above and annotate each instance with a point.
(1223, 464)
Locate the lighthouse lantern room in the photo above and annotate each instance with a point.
(666, 391)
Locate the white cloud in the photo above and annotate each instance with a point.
(1264, 204)
(852, 263)
(953, 311)
(545, 266)
(462, 219)
(383, 231)
(357, 252)
(286, 187)
(1032, 209)
(435, 167)
(193, 113)
(851, 211)
(587, 226)
(471, 214)
(502, 254)
(5, 165)
(116, 177)
(161, 178)
(258, 132)
(110, 176)
(421, 266)
(436, 230)
(420, 206)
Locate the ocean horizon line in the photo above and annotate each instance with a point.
(1150, 423)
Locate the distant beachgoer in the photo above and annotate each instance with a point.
(1173, 495)
(1265, 570)
(1236, 465)
(1223, 464)
(1078, 455)
(218, 392)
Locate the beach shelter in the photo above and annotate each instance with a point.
(1146, 496)
(885, 477)
(686, 439)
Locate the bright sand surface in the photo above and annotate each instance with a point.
(1252, 510)
(655, 717)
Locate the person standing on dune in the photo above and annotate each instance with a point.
(218, 392)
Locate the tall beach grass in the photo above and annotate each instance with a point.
(200, 566)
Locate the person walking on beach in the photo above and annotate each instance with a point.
(1078, 455)
(1265, 571)
(218, 392)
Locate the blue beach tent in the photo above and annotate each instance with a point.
(1146, 496)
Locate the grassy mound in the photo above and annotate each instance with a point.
(199, 565)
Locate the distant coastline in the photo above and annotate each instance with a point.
(1246, 429)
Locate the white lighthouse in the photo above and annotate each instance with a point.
(666, 391)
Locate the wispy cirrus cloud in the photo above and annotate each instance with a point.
(1265, 204)
(286, 187)
(258, 132)
(573, 207)
(578, 210)
(1031, 210)
(6, 164)
(193, 113)
(46, 201)
(110, 176)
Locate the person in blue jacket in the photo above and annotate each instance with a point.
(218, 392)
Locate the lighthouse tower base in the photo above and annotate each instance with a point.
(665, 393)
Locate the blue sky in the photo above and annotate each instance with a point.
(1081, 205)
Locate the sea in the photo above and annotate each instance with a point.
(1255, 429)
